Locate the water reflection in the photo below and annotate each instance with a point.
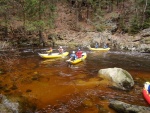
(57, 88)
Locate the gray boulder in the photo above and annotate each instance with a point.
(122, 107)
(117, 77)
(145, 32)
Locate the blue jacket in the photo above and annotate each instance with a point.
(73, 56)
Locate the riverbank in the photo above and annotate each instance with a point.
(116, 41)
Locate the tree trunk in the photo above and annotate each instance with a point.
(117, 4)
(6, 24)
(87, 13)
(77, 13)
(40, 29)
(6, 14)
(144, 10)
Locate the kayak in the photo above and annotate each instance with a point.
(84, 55)
(99, 49)
(145, 92)
(53, 55)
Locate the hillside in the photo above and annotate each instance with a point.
(86, 32)
(75, 24)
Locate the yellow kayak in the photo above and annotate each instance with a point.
(84, 55)
(99, 49)
(53, 55)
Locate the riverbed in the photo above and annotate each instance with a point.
(54, 87)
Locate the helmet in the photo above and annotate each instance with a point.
(60, 46)
(146, 85)
(78, 49)
(73, 51)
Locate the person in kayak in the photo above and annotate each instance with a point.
(50, 51)
(105, 45)
(72, 56)
(79, 53)
(61, 50)
(96, 45)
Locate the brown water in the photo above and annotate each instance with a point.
(56, 88)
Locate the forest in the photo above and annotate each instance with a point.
(22, 19)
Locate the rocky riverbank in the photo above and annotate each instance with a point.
(140, 43)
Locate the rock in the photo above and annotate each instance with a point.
(7, 105)
(145, 32)
(122, 107)
(144, 48)
(118, 77)
(87, 103)
(1, 72)
(145, 40)
(4, 45)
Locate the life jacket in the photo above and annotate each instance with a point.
(50, 50)
(79, 54)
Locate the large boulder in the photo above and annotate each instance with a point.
(117, 77)
(122, 107)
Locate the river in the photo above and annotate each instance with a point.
(53, 87)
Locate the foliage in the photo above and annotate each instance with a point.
(30, 26)
(146, 23)
(135, 27)
(31, 8)
(39, 14)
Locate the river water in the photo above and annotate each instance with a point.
(53, 87)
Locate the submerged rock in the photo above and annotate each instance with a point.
(118, 77)
(122, 107)
(2, 71)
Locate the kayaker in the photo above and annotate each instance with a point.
(79, 53)
(96, 45)
(50, 51)
(61, 50)
(72, 56)
(105, 45)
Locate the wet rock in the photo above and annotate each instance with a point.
(1, 87)
(14, 87)
(28, 90)
(2, 71)
(36, 73)
(7, 106)
(101, 109)
(118, 77)
(7, 91)
(122, 107)
(35, 78)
